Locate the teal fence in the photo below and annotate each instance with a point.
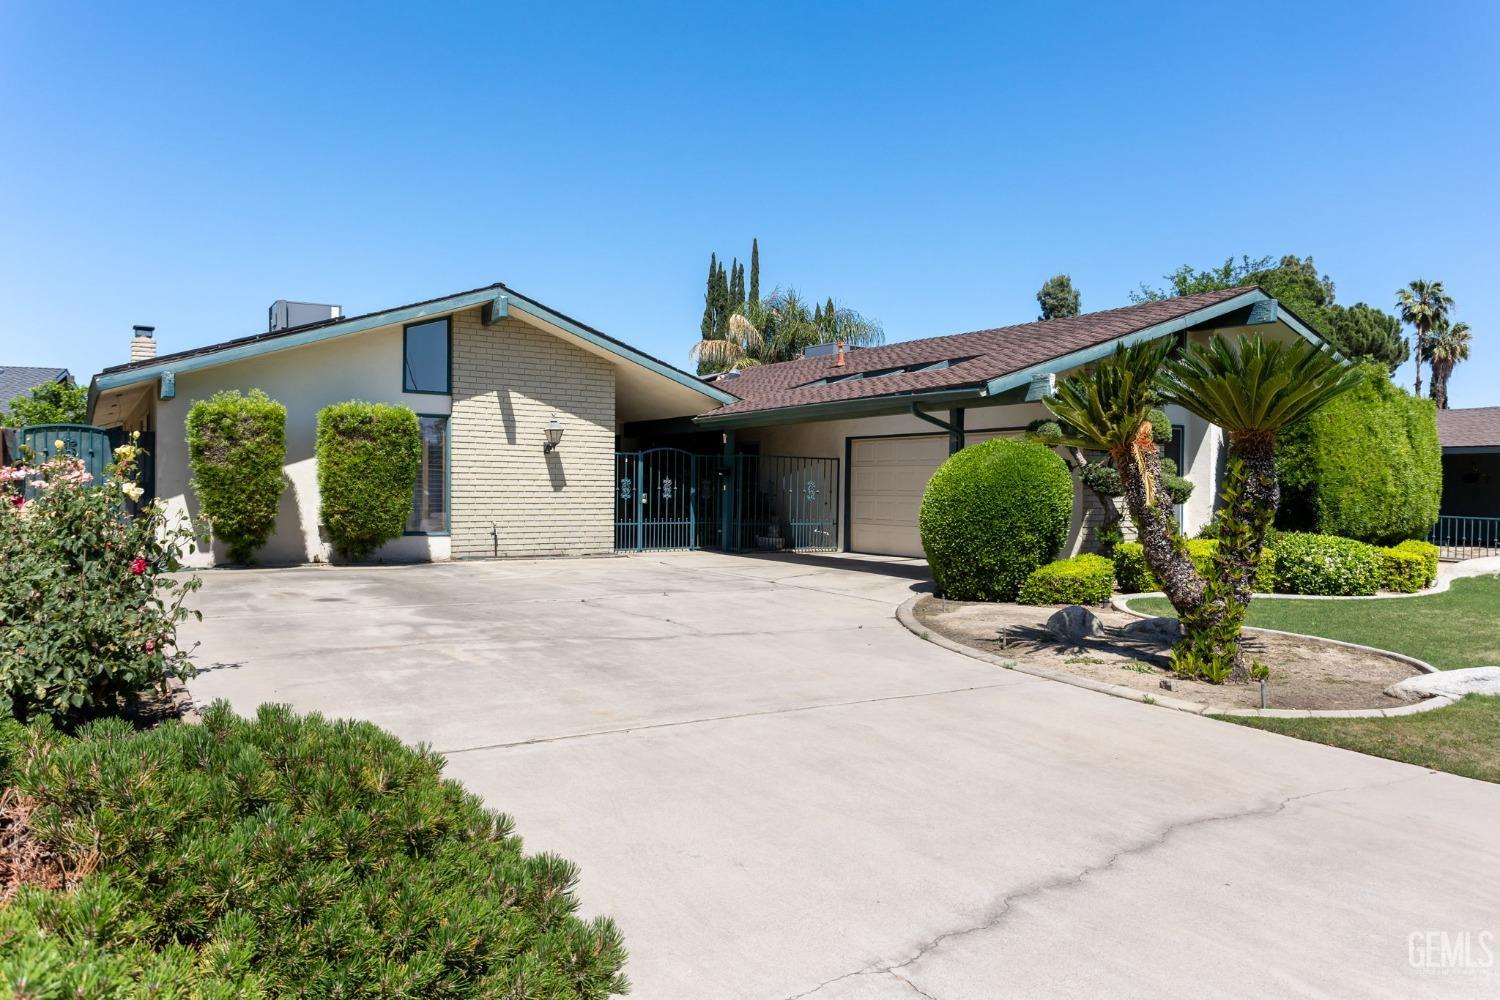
(1466, 537)
(41, 443)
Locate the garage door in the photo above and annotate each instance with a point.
(887, 477)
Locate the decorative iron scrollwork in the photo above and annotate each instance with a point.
(666, 489)
(811, 491)
(626, 488)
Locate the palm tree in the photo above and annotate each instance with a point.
(741, 348)
(779, 328)
(1252, 388)
(1425, 305)
(1107, 408)
(1448, 347)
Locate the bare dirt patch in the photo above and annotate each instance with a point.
(1306, 673)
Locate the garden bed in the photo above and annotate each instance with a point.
(1305, 673)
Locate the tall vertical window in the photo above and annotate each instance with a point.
(1176, 450)
(424, 361)
(429, 502)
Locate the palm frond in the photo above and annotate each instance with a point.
(1106, 403)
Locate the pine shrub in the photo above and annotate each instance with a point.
(284, 856)
(991, 514)
(1326, 565)
(1408, 567)
(1083, 579)
(368, 457)
(237, 446)
(1366, 466)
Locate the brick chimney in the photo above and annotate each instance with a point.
(840, 362)
(142, 343)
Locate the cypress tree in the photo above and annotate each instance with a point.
(721, 303)
(755, 270)
(830, 316)
(706, 328)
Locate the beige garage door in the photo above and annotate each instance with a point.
(887, 477)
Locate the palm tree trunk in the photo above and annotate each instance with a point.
(1252, 494)
(1440, 374)
(1155, 527)
(1421, 351)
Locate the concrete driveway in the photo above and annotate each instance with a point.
(779, 792)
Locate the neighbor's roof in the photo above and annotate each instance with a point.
(1477, 427)
(18, 380)
(973, 359)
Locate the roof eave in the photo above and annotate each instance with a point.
(859, 406)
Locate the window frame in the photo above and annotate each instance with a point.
(447, 528)
(447, 322)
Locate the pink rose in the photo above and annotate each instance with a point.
(150, 645)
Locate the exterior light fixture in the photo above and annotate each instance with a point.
(554, 434)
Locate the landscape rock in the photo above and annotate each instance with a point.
(1454, 683)
(1153, 629)
(1073, 624)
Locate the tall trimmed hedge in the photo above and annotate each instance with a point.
(1366, 466)
(368, 458)
(236, 447)
(991, 515)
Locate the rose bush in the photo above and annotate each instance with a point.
(88, 608)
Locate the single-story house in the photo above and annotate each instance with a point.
(1470, 439)
(19, 380)
(545, 436)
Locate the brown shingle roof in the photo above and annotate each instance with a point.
(977, 357)
(1476, 427)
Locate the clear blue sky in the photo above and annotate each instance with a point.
(928, 165)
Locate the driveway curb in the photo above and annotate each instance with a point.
(906, 615)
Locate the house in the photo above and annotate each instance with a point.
(830, 451)
(18, 380)
(1470, 439)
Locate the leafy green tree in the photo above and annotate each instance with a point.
(1364, 333)
(1058, 298)
(1293, 281)
(49, 403)
(755, 270)
(1424, 305)
(1448, 347)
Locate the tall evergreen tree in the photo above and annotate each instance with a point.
(1058, 298)
(721, 304)
(830, 317)
(706, 328)
(755, 270)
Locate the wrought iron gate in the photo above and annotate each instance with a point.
(667, 498)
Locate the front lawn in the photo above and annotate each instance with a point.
(1454, 629)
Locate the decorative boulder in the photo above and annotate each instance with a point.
(1166, 630)
(1073, 624)
(1453, 683)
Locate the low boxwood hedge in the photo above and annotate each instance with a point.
(1408, 567)
(282, 856)
(1134, 577)
(1326, 565)
(991, 514)
(1083, 579)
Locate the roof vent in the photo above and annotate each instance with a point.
(284, 315)
(142, 343)
(724, 376)
(820, 350)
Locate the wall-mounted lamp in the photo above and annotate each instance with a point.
(554, 435)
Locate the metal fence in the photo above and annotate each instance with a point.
(666, 498)
(785, 502)
(1466, 537)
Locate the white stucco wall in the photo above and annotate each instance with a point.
(365, 366)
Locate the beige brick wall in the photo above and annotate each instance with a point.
(509, 498)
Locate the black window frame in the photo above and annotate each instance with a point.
(447, 528)
(447, 389)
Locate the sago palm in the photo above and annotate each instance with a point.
(1424, 305)
(1448, 347)
(1108, 407)
(1252, 388)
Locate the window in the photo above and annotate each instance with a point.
(1176, 450)
(429, 502)
(425, 357)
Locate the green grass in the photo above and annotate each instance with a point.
(1455, 629)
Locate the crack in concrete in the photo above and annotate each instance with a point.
(1009, 682)
(1003, 908)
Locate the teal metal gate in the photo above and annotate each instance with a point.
(667, 498)
(41, 443)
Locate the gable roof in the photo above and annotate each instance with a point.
(18, 380)
(497, 297)
(995, 359)
(1475, 427)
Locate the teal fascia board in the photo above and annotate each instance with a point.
(860, 406)
(519, 304)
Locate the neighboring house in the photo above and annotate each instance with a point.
(831, 451)
(1471, 461)
(18, 380)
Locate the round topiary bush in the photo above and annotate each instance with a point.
(236, 446)
(368, 457)
(991, 515)
(1326, 565)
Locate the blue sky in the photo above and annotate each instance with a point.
(928, 165)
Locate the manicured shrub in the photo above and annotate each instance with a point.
(88, 610)
(1326, 565)
(1366, 466)
(1083, 579)
(368, 457)
(237, 446)
(1408, 567)
(993, 513)
(1133, 575)
(285, 856)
